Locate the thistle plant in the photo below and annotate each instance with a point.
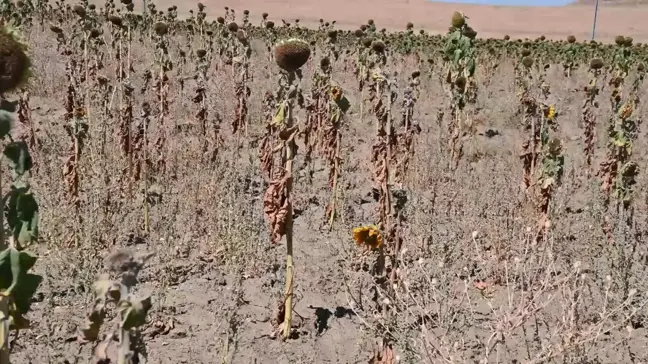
(460, 64)
(619, 171)
(290, 56)
(116, 293)
(588, 118)
(19, 207)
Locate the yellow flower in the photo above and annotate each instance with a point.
(368, 235)
(626, 110)
(336, 93)
(550, 113)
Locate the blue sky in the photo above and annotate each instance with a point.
(512, 2)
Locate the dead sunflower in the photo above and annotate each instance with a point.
(368, 236)
(292, 54)
(336, 93)
(15, 63)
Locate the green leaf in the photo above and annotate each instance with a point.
(26, 206)
(6, 122)
(344, 104)
(108, 290)
(457, 56)
(9, 106)
(95, 319)
(18, 155)
(134, 313)
(280, 115)
(15, 279)
(18, 321)
(25, 290)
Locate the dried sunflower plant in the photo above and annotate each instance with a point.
(326, 108)
(409, 127)
(529, 108)
(290, 55)
(570, 55)
(19, 215)
(241, 61)
(590, 104)
(73, 47)
(114, 290)
(619, 171)
(460, 65)
(161, 87)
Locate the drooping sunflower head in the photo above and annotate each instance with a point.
(368, 236)
(336, 93)
(15, 64)
(292, 54)
(527, 61)
(458, 19)
(161, 28)
(550, 112)
(378, 46)
(596, 64)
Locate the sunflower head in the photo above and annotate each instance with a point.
(15, 64)
(458, 20)
(336, 93)
(292, 54)
(368, 236)
(550, 113)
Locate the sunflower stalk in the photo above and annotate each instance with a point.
(130, 312)
(76, 125)
(460, 64)
(530, 109)
(552, 160)
(382, 95)
(335, 106)
(290, 56)
(241, 60)
(161, 87)
(570, 53)
(619, 172)
(409, 128)
(588, 118)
